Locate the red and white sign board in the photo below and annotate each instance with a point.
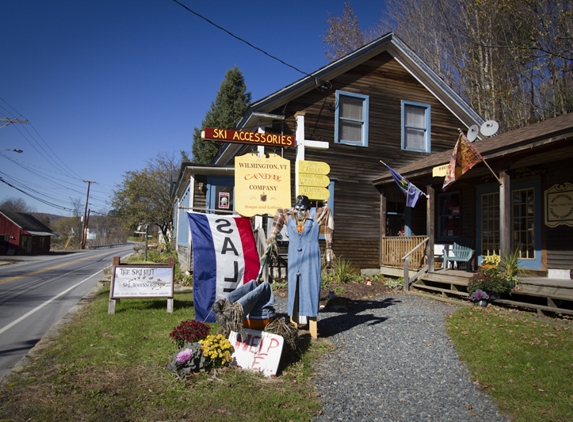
(257, 350)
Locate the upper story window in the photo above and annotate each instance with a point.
(351, 126)
(416, 126)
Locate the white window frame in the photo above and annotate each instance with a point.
(427, 129)
(340, 95)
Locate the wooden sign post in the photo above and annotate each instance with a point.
(302, 144)
(141, 281)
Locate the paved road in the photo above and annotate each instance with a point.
(36, 291)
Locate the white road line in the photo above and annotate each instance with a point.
(23, 317)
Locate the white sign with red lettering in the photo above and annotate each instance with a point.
(257, 350)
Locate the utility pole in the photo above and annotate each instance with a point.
(85, 222)
(10, 121)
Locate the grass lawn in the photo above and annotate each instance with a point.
(106, 367)
(112, 368)
(524, 362)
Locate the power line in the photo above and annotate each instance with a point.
(243, 40)
(36, 198)
(47, 178)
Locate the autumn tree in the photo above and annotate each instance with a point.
(511, 60)
(343, 34)
(144, 197)
(226, 111)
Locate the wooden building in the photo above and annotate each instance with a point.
(22, 233)
(380, 102)
(523, 200)
(196, 190)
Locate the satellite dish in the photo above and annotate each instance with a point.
(489, 128)
(473, 133)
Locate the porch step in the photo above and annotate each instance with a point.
(457, 278)
(547, 296)
(444, 291)
(541, 309)
(556, 289)
(557, 294)
(454, 301)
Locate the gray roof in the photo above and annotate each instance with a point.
(526, 138)
(387, 43)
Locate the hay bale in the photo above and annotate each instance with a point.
(229, 316)
(284, 329)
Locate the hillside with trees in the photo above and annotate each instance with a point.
(511, 60)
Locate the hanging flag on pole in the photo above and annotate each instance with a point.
(410, 190)
(224, 257)
(464, 157)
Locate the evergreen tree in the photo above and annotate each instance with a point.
(230, 104)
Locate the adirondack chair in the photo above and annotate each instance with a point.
(459, 253)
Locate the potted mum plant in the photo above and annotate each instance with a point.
(496, 276)
(211, 352)
(493, 282)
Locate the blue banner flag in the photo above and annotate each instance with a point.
(224, 257)
(411, 191)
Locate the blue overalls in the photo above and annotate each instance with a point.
(304, 266)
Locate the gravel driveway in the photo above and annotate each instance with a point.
(394, 362)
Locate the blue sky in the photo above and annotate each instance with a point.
(106, 85)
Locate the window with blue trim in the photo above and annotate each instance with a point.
(416, 124)
(220, 198)
(351, 126)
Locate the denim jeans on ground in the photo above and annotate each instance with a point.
(257, 300)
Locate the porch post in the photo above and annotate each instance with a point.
(504, 214)
(430, 226)
(383, 226)
(408, 221)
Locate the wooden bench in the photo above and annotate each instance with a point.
(459, 253)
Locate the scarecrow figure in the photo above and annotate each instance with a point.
(250, 305)
(304, 260)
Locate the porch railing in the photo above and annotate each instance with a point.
(395, 247)
(406, 251)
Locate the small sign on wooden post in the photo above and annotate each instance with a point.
(141, 281)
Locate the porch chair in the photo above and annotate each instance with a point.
(460, 252)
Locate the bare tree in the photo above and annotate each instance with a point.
(511, 60)
(343, 35)
(15, 205)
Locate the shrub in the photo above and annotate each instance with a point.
(510, 265)
(342, 271)
(189, 331)
(489, 280)
(394, 283)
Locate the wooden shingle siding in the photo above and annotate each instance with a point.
(388, 73)
(356, 201)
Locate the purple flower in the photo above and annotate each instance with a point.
(479, 295)
(183, 356)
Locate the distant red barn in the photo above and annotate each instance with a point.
(22, 233)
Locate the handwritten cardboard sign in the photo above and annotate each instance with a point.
(257, 350)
